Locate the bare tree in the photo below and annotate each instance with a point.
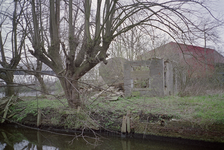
(34, 68)
(135, 42)
(92, 28)
(9, 63)
(31, 66)
(129, 44)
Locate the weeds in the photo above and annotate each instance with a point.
(197, 110)
(23, 108)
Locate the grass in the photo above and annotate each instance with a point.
(35, 103)
(205, 113)
(31, 105)
(199, 109)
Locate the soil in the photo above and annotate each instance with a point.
(144, 124)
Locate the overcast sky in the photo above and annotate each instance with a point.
(218, 8)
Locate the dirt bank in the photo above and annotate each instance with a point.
(169, 117)
(158, 125)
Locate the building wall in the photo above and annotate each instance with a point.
(152, 77)
(169, 77)
(196, 60)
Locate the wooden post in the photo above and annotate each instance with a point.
(38, 117)
(78, 109)
(128, 122)
(123, 127)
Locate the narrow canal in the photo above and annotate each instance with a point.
(19, 138)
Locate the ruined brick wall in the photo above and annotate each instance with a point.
(113, 72)
(144, 78)
(152, 77)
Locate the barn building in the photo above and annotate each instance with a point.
(196, 61)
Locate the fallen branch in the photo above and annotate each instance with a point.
(6, 109)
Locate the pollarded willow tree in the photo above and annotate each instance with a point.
(82, 31)
(12, 38)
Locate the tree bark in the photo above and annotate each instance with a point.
(72, 94)
(10, 63)
(43, 87)
(9, 90)
(71, 89)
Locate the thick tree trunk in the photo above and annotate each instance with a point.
(43, 87)
(39, 78)
(9, 90)
(71, 89)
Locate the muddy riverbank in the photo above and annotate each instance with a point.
(166, 127)
(178, 118)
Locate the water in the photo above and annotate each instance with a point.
(22, 94)
(18, 138)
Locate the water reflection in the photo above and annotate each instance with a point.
(23, 145)
(12, 138)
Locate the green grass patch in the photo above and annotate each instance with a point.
(30, 106)
(199, 109)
